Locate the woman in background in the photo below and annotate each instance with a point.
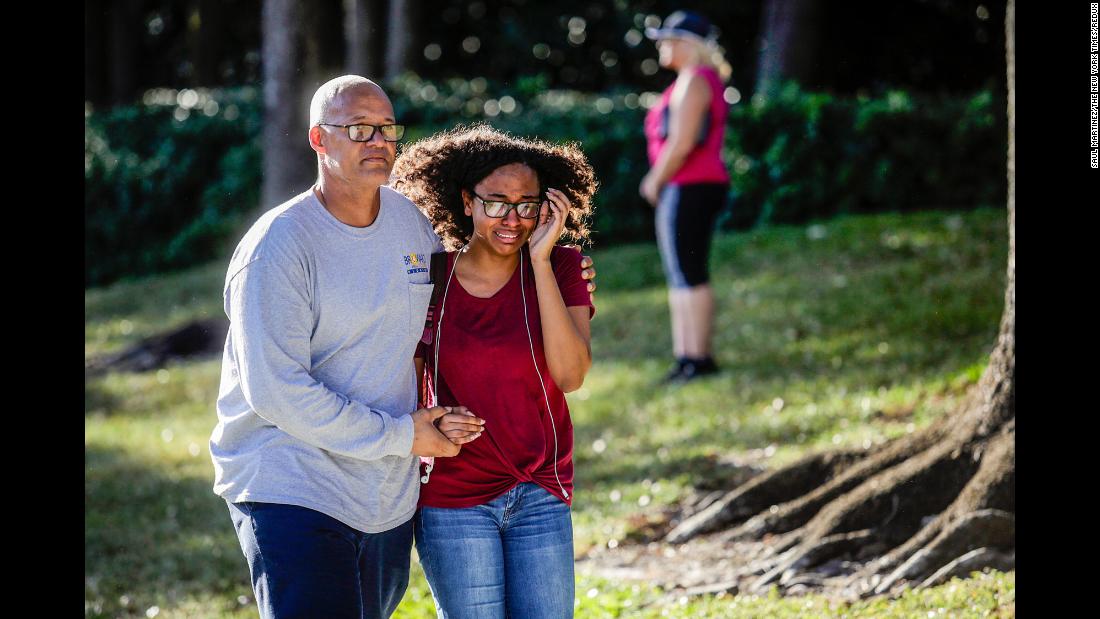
(687, 181)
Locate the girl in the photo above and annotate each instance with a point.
(510, 336)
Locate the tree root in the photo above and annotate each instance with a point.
(821, 478)
(967, 479)
(764, 491)
(953, 496)
(809, 555)
(973, 561)
(984, 528)
(893, 502)
(992, 487)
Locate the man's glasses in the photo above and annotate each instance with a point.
(364, 133)
(497, 208)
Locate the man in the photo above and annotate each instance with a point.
(317, 437)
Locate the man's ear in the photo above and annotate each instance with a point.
(315, 136)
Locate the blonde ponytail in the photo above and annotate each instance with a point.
(715, 56)
(710, 53)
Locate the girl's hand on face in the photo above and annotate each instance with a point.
(551, 223)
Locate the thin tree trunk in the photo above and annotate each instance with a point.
(94, 73)
(788, 43)
(360, 33)
(399, 43)
(207, 40)
(1010, 54)
(323, 50)
(125, 32)
(289, 164)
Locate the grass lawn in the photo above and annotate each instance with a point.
(837, 334)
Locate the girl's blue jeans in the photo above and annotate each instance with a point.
(511, 557)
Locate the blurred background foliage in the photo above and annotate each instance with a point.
(870, 115)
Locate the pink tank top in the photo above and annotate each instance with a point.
(704, 162)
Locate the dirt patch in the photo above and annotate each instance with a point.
(709, 564)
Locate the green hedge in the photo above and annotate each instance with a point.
(165, 192)
(798, 157)
(166, 184)
(805, 156)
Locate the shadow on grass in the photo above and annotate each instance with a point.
(154, 537)
(97, 399)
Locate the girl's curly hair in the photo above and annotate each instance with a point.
(433, 171)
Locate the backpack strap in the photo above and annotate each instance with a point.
(437, 275)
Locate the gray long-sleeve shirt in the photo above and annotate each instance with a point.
(317, 377)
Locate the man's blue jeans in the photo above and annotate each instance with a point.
(307, 564)
(511, 557)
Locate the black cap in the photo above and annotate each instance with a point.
(682, 24)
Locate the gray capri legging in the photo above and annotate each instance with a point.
(685, 222)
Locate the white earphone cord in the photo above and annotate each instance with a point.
(530, 342)
(542, 383)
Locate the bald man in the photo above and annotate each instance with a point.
(318, 432)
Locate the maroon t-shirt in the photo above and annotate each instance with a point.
(485, 365)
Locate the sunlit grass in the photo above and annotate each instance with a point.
(843, 334)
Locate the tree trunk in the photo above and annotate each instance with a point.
(94, 73)
(206, 34)
(788, 43)
(289, 163)
(399, 29)
(360, 33)
(125, 32)
(323, 51)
